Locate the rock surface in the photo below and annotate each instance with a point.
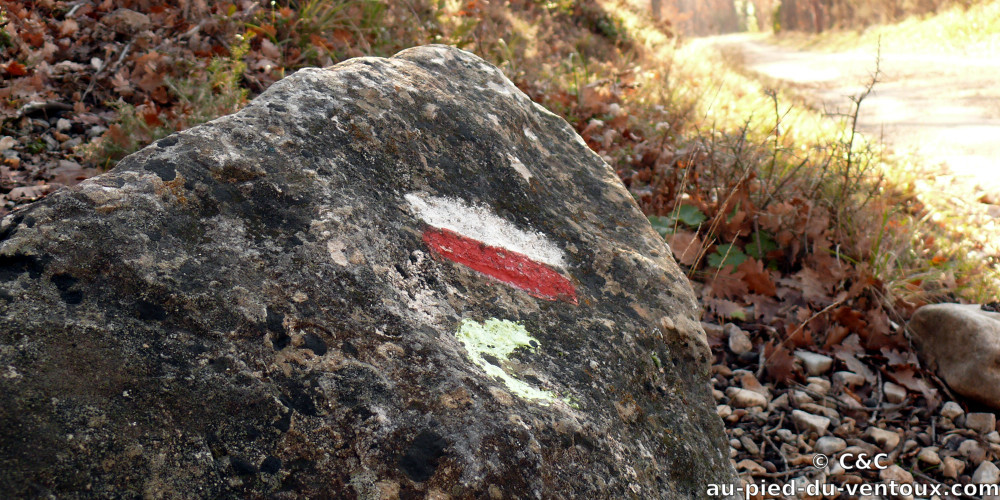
(961, 342)
(388, 278)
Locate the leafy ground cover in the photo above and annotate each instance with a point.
(791, 225)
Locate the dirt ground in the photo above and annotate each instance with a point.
(944, 108)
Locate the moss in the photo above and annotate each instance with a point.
(497, 339)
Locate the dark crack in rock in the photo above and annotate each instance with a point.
(388, 278)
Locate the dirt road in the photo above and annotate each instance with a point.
(944, 107)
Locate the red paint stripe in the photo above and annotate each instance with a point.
(513, 268)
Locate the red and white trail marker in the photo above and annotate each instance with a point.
(480, 240)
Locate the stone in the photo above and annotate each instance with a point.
(739, 340)
(952, 467)
(745, 398)
(724, 410)
(818, 385)
(750, 466)
(807, 422)
(395, 275)
(895, 394)
(896, 474)
(885, 439)
(961, 342)
(748, 381)
(981, 422)
(821, 410)
(780, 402)
(973, 450)
(750, 446)
(986, 473)
(951, 410)
(848, 379)
(800, 397)
(814, 364)
(929, 456)
(786, 435)
(829, 445)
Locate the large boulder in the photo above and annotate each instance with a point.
(388, 278)
(962, 343)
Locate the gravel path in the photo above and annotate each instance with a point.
(945, 108)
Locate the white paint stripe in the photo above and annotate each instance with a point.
(481, 224)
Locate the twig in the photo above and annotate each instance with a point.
(784, 460)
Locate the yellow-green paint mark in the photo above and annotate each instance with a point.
(498, 338)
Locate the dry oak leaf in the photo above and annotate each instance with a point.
(847, 351)
(724, 308)
(757, 278)
(726, 284)
(779, 364)
(686, 246)
(906, 377)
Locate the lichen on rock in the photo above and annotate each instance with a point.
(298, 301)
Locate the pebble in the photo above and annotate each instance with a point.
(818, 385)
(749, 382)
(986, 473)
(887, 440)
(786, 435)
(993, 437)
(800, 398)
(750, 466)
(895, 473)
(848, 379)
(739, 340)
(810, 423)
(780, 402)
(745, 398)
(929, 456)
(982, 423)
(971, 449)
(750, 446)
(951, 410)
(815, 364)
(829, 445)
(952, 467)
(895, 394)
(821, 410)
(724, 410)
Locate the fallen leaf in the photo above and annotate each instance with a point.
(757, 278)
(779, 363)
(906, 377)
(685, 245)
(727, 284)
